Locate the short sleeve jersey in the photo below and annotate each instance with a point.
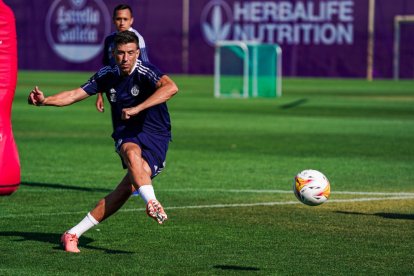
(108, 58)
(128, 91)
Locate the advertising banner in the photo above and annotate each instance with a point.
(319, 38)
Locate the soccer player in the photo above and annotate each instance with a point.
(137, 92)
(123, 20)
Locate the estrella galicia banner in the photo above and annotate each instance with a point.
(76, 30)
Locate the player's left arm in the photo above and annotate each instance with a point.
(166, 89)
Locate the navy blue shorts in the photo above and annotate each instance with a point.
(153, 148)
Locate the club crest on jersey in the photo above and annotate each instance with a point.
(112, 95)
(135, 90)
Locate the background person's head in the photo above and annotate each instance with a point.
(122, 17)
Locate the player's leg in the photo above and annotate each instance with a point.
(103, 209)
(113, 201)
(140, 175)
(138, 169)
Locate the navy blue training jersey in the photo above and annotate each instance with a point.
(128, 91)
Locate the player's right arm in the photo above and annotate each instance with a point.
(64, 98)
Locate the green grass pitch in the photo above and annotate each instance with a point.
(227, 185)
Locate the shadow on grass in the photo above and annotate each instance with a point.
(55, 240)
(383, 215)
(236, 267)
(294, 104)
(64, 187)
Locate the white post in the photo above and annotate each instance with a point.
(370, 50)
(396, 55)
(217, 62)
(279, 71)
(185, 38)
(255, 68)
(398, 19)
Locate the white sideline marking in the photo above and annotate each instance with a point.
(407, 197)
(282, 191)
(279, 203)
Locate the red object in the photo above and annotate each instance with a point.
(9, 157)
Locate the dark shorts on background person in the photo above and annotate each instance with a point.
(154, 150)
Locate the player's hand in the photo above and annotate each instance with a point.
(36, 97)
(129, 112)
(100, 103)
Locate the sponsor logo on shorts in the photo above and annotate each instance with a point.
(112, 95)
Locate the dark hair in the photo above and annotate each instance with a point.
(125, 37)
(121, 7)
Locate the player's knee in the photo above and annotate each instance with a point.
(131, 158)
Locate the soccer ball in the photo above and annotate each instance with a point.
(311, 187)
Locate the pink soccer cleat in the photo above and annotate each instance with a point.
(155, 211)
(70, 242)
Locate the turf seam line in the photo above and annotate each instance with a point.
(285, 191)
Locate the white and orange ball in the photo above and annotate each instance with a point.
(311, 187)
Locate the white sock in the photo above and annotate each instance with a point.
(87, 223)
(147, 192)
